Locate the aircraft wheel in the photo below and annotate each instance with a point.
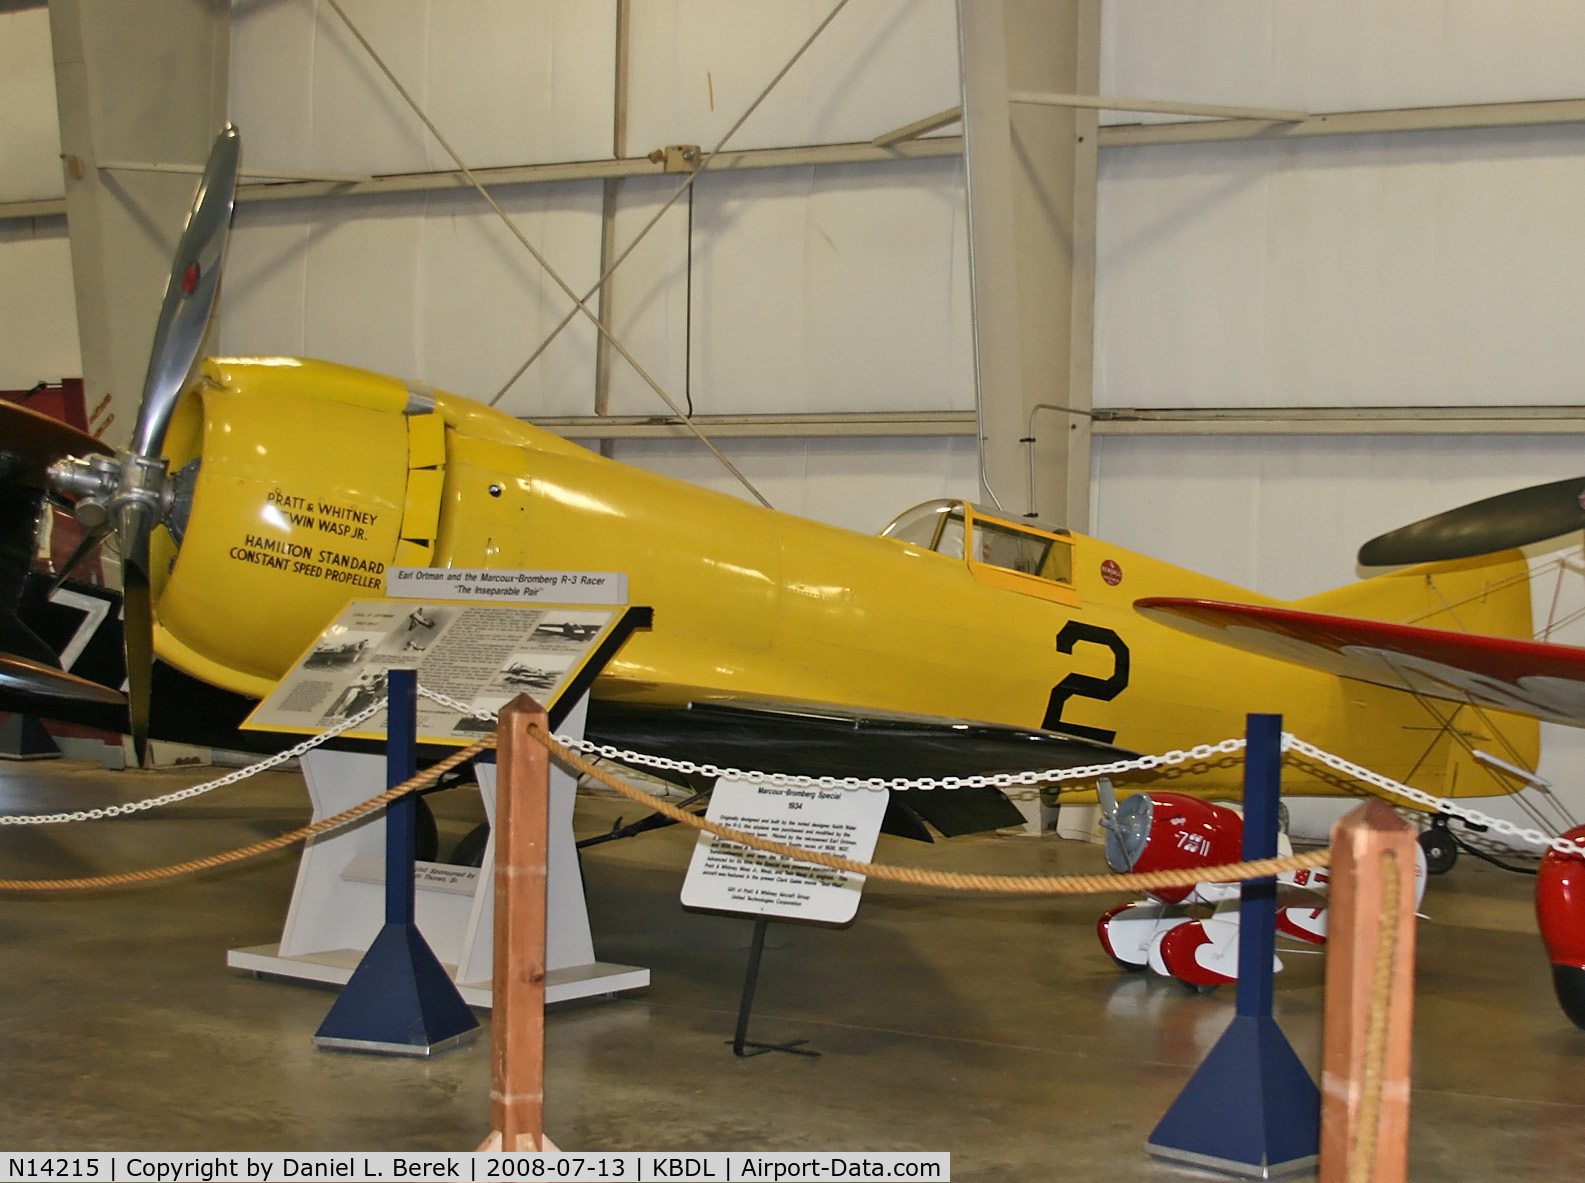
(469, 851)
(1441, 852)
(426, 835)
(1568, 982)
(1103, 929)
(1178, 958)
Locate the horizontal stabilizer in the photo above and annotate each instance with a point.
(1508, 673)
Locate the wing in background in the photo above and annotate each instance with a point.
(1532, 677)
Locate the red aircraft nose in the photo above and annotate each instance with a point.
(1188, 832)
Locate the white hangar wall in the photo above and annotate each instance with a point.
(38, 318)
(834, 288)
(1412, 269)
(1431, 268)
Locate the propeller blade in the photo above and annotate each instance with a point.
(190, 295)
(1107, 796)
(29, 441)
(1128, 833)
(178, 335)
(34, 679)
(1484, 527)
(86, 545)
(137, 611)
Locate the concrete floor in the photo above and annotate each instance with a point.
(993, 1028)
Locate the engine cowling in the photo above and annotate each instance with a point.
(1185, 832)
(283, 520)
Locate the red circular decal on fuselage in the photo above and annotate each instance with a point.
(1111, 572)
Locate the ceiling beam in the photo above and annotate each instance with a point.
(1108, 421)
(1348, 123)
(813, 156)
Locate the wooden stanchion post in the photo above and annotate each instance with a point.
(1353, 1145)
(517, 1053)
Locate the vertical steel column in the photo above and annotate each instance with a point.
(143, 83)
(608, 208)
(1032, 193)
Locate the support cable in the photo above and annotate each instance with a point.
(687, 185)
(579, 305)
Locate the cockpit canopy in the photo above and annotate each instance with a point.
(1000, 550)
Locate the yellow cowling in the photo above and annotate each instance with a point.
(306, 491)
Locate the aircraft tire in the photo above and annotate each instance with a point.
(469, 851)
(1441, 852)
(1568, 982)
(426, 835)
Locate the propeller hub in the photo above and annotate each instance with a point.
(88, 482)
(102, 488)
(1128, 832)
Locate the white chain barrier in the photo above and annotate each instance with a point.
(1292, 743)
(998, 780)
(1051, 776)
(231, 778)
(1024, 781)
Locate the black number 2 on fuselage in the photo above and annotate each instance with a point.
(1083, 685)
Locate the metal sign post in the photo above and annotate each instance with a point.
(1250, 1108)
(400, 1000)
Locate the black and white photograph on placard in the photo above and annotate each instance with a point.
(419, 628)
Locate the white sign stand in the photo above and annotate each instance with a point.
(727, 876)
(730, 877)
(338, 904)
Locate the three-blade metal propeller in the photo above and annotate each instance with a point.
(1127, 826)
(1484, 527)
(131, 493)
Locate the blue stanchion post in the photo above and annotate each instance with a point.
(1250, 1109)
(400, 1000)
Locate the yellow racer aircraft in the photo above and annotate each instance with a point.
(256, 501)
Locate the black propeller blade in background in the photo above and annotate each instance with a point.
(1484, 527)
(33, 678)
(29, 441)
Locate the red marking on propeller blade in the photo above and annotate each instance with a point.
(189, 279)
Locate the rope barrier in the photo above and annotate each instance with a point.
(428, 777)
(1010, 884)
(1014, 884)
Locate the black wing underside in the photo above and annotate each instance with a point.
(824, 740)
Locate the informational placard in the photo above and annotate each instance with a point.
(732, 877)
(482, 654)
(519, 587)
